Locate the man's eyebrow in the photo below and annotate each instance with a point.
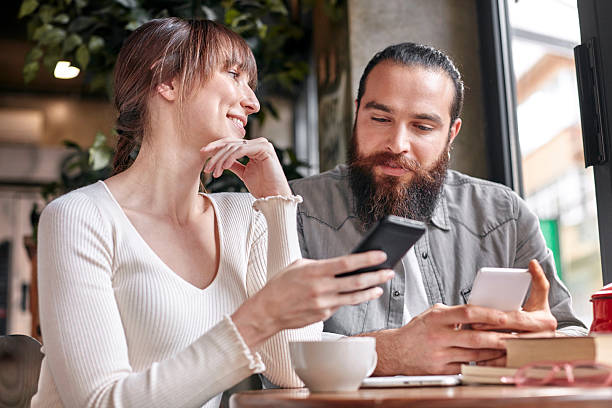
(430, 116)
(379, 106)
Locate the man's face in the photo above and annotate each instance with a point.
(401, 139)
(405, 111)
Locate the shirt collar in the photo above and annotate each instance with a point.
(439, 218)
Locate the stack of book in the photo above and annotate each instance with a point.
(528, 350)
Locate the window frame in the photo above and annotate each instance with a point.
(500, 105)
(500, 98)
(594, 20)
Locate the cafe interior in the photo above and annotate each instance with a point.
(537, 118)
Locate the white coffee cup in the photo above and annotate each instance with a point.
(334, 366)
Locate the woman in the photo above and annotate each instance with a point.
(152, 294)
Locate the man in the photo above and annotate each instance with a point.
(407, 115)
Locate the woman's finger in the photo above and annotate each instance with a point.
(354, 298)
(362, 280)
(348, 263)
(214, 159)
(238, 169)
(226, 159)
(212, 147)
(230, 158)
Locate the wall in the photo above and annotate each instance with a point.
(450, 25)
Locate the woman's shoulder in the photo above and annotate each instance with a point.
(80, 202)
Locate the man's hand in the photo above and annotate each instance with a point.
(536, 315)
(431, 344)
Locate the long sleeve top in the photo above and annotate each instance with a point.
(121, 329)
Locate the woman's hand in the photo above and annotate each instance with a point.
(308, 292)
(263, 174)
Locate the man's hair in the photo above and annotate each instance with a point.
(411, 54)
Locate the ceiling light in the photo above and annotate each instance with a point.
(63, 70)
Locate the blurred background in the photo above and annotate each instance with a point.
(521, 121)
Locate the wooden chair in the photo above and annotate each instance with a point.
(20, 359)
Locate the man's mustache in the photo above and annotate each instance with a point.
(393, 160)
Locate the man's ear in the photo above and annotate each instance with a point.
(454, 129)
(168, 90)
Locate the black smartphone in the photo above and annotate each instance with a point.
(394, 235)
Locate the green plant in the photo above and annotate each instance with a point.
(89, 34)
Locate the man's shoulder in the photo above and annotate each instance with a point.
(326, 196)
(458, 181)
(484, 203)
(331, 178)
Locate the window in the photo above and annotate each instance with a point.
(555, 184)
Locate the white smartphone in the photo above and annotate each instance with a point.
(411, 381)
(500, 288)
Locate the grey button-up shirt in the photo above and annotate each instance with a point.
(476, 224)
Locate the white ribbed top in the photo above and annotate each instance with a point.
(121, 329)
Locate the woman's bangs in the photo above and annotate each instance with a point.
(238, 54)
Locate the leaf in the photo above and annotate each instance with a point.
(46, 13)
(132, 25)
(80, 3)
(33, 55)
(100, 153)
(128, 3)
(53, 37)
(41, 31)
(95, 44)
(209, 13)
(80, 24)
(71, 42)
(231, 15)
(262, 29)
(82, 56)
(277, 6)
(30, 70)
(61, 18)
(27, 7)
(52, 55)
(31, 27)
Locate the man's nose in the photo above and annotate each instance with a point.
(249, 101)
(399, 140)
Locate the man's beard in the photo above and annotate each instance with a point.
(378, 196)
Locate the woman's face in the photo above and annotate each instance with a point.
(220, 107)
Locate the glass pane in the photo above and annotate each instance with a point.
(557, 186)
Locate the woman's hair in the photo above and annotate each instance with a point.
(161, 50)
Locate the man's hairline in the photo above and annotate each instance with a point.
(412, 64)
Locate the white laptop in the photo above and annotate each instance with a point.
(412, 381)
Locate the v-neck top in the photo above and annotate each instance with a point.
(121, 328)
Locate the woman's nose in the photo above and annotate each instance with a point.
(249, 102)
